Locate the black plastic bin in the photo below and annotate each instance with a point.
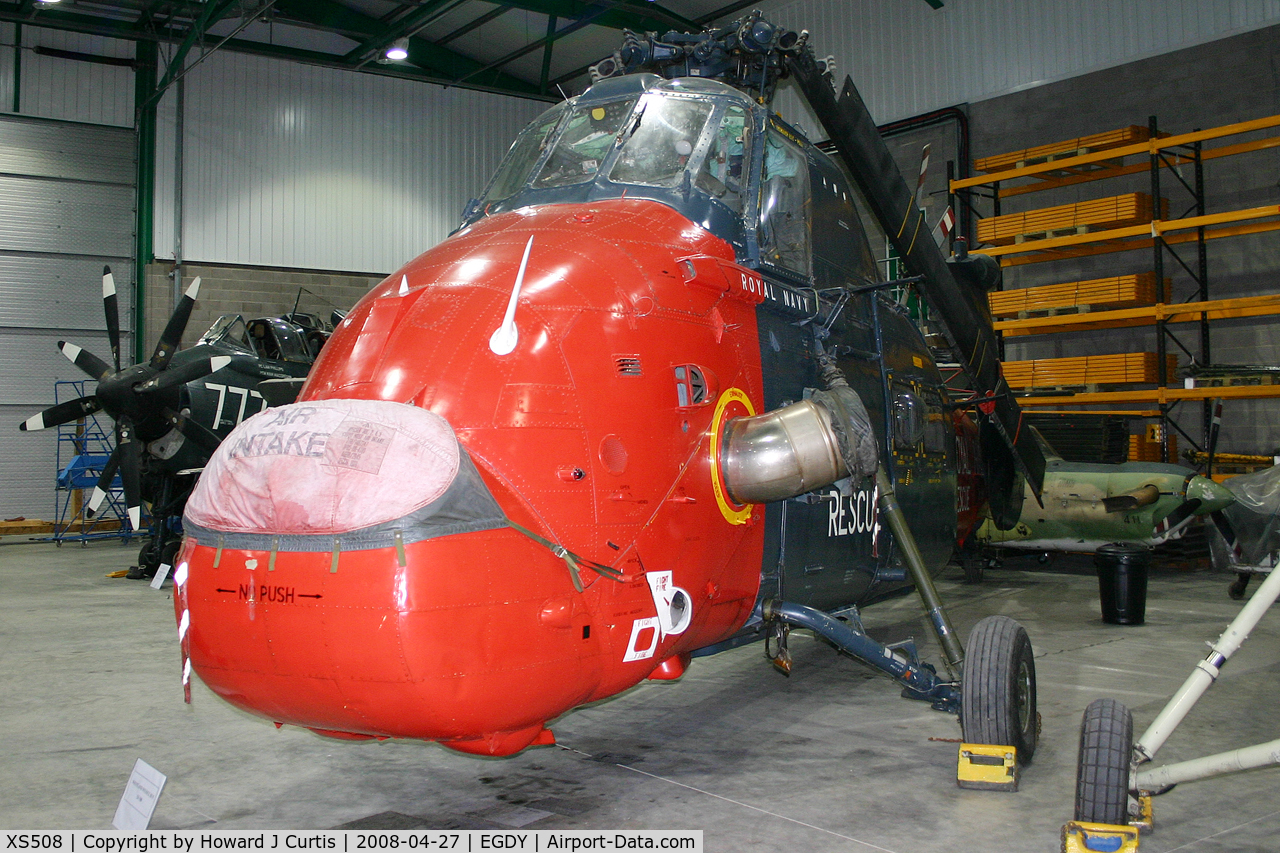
(1122, 582)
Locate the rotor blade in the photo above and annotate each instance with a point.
(172, 336)
(924, 171)
(131, 474)
(200, 434)
(86, 361)
(111, 308)
(1213, 436)
(61, 414)
(961, 311)
(943, 229)
(1223, 524)
(185, 373)
(103, 486)
(1171, 526)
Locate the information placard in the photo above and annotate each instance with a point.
(140, 797)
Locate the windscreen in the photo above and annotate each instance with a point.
(666, 134)
(784, 205)
(228, 330)
(524, 154)
(721, 174)
(588, 137)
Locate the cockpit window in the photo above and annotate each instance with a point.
(721, 175)
(524, 153)
(272, 338)
(666, 134)
(587, 138)
(908, 420)
(784, 205)
(228, 330)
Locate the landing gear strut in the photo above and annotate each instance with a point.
(1116, 776)
(996, 697)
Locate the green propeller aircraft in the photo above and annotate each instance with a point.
(1087, 505)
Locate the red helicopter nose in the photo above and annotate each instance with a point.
(320, 522)
(365, 567)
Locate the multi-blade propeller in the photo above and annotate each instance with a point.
(131, 395)
(1203, 496)
(1219, 517)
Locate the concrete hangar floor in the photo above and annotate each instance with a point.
(830, 759)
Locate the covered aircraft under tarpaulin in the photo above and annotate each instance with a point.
(649, 399)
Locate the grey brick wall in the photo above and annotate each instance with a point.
(1231, 80)
(250, 291)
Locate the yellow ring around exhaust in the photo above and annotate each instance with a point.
(732, 513)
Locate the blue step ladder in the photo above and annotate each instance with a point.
(84, 446)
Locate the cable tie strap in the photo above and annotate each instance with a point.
(400, 556)
(571, 560)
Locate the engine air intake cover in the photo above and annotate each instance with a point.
(356, 473)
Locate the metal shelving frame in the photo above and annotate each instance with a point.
(1194, 225)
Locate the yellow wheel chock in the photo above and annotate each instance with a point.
(1081, 837)
(986, 767)
(1145, 820)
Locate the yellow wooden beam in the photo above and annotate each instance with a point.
(1126, 413)
(1158, 226)
(1151, 146)
(1064, 148)
(1136, 168)
(1099, 242)
(1216, 309)
(1153, 395)
(25, 527)
(1132, 245)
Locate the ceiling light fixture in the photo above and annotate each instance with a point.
(399, 49)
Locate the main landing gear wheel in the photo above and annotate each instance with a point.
(1102, 771)
(998, 701)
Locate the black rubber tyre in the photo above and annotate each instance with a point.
(998, 691)
(1102, 771)
(169, 551)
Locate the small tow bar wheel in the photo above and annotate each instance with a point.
(998, 699)
(1102, 771)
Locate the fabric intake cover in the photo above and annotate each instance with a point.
(346, 473)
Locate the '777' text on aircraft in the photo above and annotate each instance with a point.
(648, 400)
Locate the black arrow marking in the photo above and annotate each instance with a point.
(220, 589)
(301, 595)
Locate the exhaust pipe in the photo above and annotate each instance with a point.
(798, 448)
(781, 454)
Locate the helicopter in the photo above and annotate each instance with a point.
(648, 402)
(173, 410)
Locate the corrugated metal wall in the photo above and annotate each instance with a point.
(73, 90)
(66, 209)
(908, 58)
(296, 166)
(6, 67)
